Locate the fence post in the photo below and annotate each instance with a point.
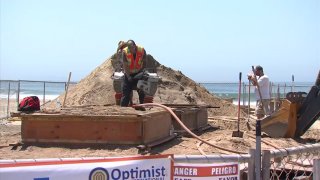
(244, 93)
(249, 101)
(44, 93)
(251, 165)
(266, 157)
(270, 89)
(292, 85)
(258, 150)
(8, 104)
(18, 96)
(278, 98)
(316, 169)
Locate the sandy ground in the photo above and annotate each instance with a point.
(220, 135)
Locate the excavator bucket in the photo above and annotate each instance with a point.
(296, 114)
(281, 123)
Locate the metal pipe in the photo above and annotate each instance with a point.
(272, 98)
(211, 158)
(316, 169)
(251, 165)
(239, 98)
(266, 164)
(18, 98)
(278, 92)
(270, 89)
(284, 90)
(249, 101)
(244, 93)
(277, 104)
(8, 103)
(258, 150)
(292, 85)
(295, 150)
(17, 102)
(44, 92)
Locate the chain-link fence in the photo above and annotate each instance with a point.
(291, 163)
(12, 92)
(300, 162)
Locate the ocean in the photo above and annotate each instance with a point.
(277, 89)
(49, 90)
(43, 89)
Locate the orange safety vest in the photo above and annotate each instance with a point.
(135, 65)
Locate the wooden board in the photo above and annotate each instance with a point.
(143, 128)
(194, 117)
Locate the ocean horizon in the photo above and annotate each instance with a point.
(228, 90)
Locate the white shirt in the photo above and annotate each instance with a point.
(263, 82)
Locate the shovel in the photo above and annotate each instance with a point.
(238, 133)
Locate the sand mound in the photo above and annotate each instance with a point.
(174, 88)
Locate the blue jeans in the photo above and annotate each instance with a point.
(127, 89)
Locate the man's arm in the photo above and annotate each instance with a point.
(253, 80)
(125, 65)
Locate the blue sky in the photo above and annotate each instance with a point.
(207, 40)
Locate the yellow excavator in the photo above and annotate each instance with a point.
(296, 114)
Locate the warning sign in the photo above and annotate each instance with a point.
(225, 171)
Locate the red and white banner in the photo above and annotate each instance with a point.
(217, 171)
(137, 168)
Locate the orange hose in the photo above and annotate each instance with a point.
(264, 141)
(186, 129)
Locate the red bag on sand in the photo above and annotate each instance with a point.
(30, 103)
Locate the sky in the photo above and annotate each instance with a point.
(207, 40)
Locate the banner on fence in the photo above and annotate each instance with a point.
(138, 168)
(217, 171)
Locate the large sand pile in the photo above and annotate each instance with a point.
(174, 88)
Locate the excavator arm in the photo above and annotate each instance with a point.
(309, 111)
(296, 114)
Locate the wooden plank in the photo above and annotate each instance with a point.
(193, 118)
(156, 128)
(146, 128)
